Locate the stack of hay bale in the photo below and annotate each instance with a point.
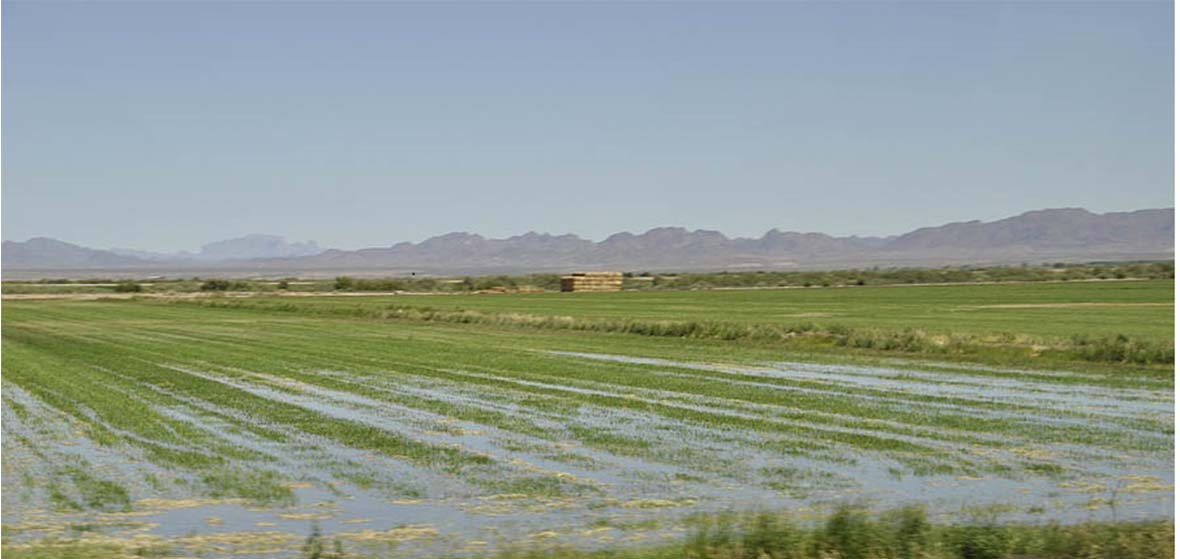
(592, 281)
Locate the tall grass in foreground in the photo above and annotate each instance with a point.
(848, 533)
(907, 534)
(855, 534)
(901, 534)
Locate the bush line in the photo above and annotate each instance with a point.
(852, 533)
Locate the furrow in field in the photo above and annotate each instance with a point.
(706, 387)
(1063, 409)
(905, 414)
(440, 430)
(322, 461)
(118, 357)
(910, 408)
(651, 437)
(621, 463)
(926, 399)
(94, 399)
(1123, 399)
(162, 352)
(1026, 426)
(73, 473)
(1119, 402)
(1116, 401)
(292, 353)
(908, 414)
(821, 430)
(405, 422)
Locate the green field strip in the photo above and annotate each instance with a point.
(998, 348)
(932, 307)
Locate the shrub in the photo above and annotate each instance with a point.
(215, 285)
(1121, 349)
(128, 287)
(910, 531)
(980, 542)
(852, 534)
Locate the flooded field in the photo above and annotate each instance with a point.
(224, 432)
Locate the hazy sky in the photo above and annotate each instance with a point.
(167, 125)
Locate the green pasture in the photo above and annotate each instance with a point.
(1133, 308)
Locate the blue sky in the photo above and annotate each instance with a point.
(167, 125)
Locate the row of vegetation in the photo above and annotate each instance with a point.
(903, 276)
(534, 282)
(851, 533)
(632, 280)
(763, 279)
(1111, 349)
(846, 534)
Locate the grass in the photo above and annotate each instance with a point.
(907, 533)
(260, 487)
(97, 493)
(1050, 309)
(848, 533)
(1117, 322)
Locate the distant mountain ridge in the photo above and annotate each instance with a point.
(241, 248)
(1067, 234)
(43, 252)
(257, 246)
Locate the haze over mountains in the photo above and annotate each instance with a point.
(1068, 234)
(250, 246)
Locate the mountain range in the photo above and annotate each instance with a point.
(241, 248)
(1065, 234)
